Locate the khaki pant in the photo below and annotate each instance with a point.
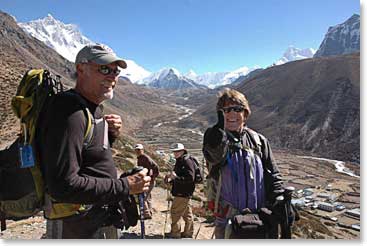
(181, 207)
(148, 200)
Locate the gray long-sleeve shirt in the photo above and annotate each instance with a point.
(73, 173)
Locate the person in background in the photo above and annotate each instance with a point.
(153, 171)
(183, 186)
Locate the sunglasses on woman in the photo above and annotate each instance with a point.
(236, 109)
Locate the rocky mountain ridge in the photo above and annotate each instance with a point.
(341, 39)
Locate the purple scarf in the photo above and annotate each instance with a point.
(243, 181)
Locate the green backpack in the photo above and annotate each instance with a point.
(22, 189)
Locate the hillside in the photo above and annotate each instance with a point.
(18, 53)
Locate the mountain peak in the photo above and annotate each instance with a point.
(341, 39)
(191, 74)
(292, 54)
(66, 39)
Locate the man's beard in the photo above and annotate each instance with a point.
(108, 95)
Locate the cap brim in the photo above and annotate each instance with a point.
(108, 59)
(174, 150)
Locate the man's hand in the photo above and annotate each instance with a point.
(139, 182)
(169, 177)
(114, 124)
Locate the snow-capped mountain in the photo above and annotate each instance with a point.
(292, 54)
(215, 79)
(170, 78)
(341, 39)
(210, 79)
(134, 72)
(67, 40)
(191, 75)
(232, 76)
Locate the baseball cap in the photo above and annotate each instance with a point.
(100, 54)
(138, 146)
(177, 147)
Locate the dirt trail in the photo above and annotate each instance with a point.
(154, 227)
(34, 228)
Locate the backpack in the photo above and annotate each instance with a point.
(199, 177)
(22, 189)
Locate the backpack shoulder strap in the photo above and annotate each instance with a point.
(256, 138)
(88, 135)
(90, 127)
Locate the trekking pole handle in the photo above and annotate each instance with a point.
(137, 169)
(288, 192)
(278, 200)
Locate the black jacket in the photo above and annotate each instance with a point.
(183, 184)
(215, 155)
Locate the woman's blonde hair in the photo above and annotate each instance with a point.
(231, 95)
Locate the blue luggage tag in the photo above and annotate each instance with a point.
(26, 156)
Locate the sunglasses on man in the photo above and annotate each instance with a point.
(236, 109)
(105, 70)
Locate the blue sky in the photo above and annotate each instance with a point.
(203, 35)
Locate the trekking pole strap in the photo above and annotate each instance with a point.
(2, 221)
(217, 195)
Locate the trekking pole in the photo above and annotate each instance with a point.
(277, 207)
(287, 206)
(141, 208)
(141, 204)
(197, 233)
(165, 221)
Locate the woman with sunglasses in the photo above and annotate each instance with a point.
(243, 176)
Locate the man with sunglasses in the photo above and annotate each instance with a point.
(243, 176)
(83, 190)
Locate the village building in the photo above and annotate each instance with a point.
(326, 206)
(356, 212)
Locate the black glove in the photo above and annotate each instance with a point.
(214, 136)
(117, 216)
(124, 213)
(132, 171)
